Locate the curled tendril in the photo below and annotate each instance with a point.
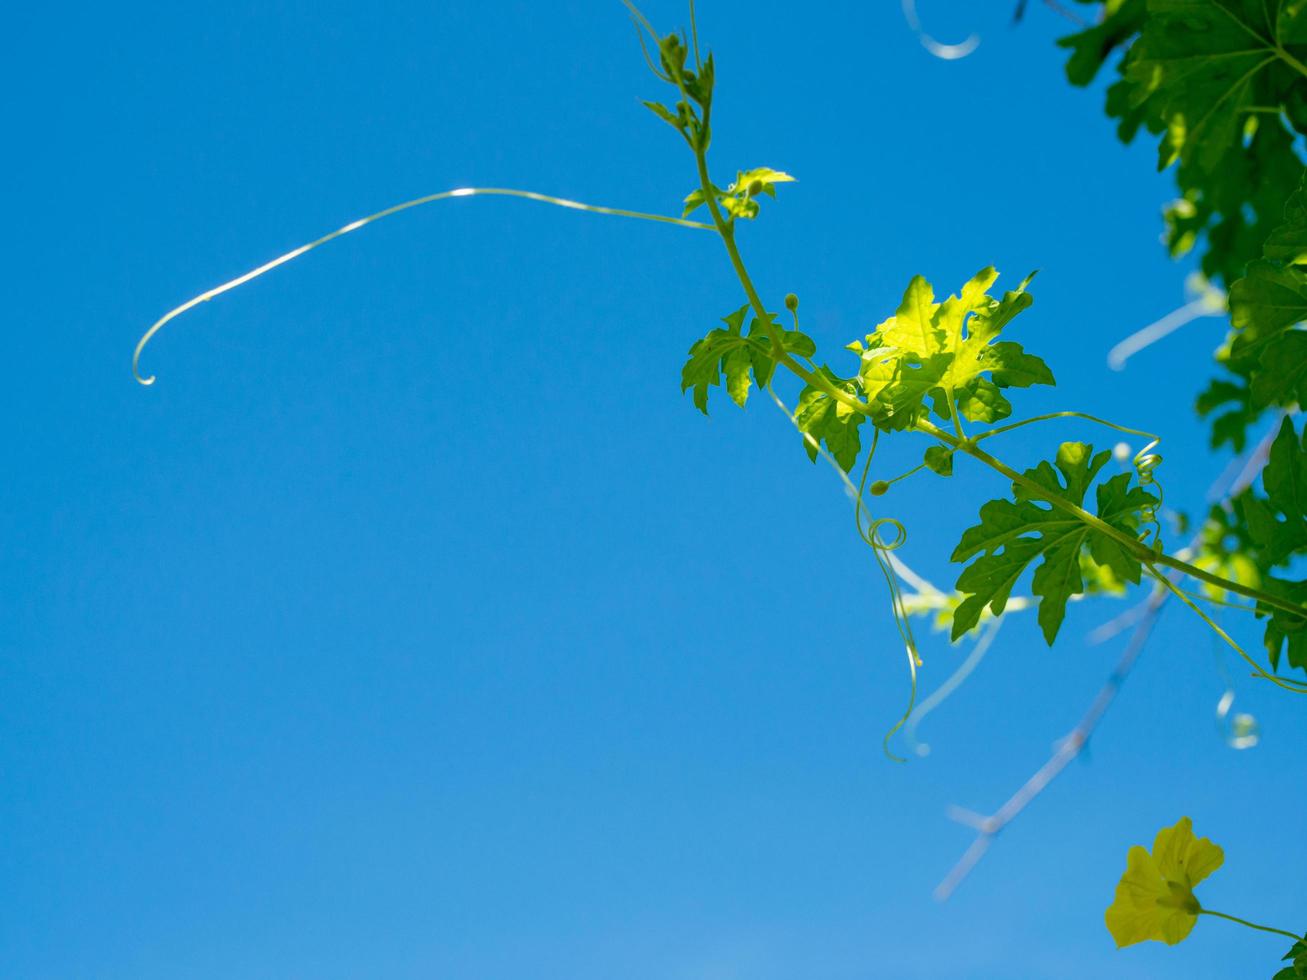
(385, 213)
(870, 530)
(1145, 463)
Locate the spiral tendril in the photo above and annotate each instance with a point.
(870, 530)
(1146, 463)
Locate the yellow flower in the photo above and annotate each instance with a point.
(1155, 898)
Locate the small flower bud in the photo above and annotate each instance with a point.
(755, 188)
(879, 488)
(791, 302)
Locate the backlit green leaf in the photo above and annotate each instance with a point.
(1013, 534)
(937, 349)
(824, 419)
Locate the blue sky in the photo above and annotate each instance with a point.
(414, 625)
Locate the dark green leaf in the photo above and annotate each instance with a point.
(1278, 523)
(825, 419)
(1297, 957)
(939, 459)
(1012, 534)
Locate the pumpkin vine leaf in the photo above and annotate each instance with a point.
(1297, 959)
(943, 350)
(1266, 306)
(740, 199)
(1013, 534)
(1285, 481)
(821, 418)
(1277, 525)
(742, 358)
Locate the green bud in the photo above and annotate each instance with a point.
(755, 188)
(791, 302)
(879, 488)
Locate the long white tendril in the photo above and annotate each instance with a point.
(362, 222)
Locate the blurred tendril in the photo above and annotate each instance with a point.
(945, 52)
(946, 690)
(1204, 300)
(1239, 730)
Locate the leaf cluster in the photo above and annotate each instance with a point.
(1220, 83)
(740, 199)
(928, 358)
(1223, 84)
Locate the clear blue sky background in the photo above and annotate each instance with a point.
(414, 625)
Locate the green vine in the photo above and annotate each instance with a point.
(941, 351)
(1222, 84)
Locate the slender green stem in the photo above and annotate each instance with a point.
(1226, 603)
(694, 33)
(1258, 670)
(778, 352)
(1061, 415)
(903, 476)
(953, 413)
(1251, 925)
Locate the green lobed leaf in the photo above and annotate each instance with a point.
(823, 419)
(934, 350)
(1282, 375)
(1265, 303)
(1286, 634)
(1090, 48)
(1278, 523)
(1013, 534)
(1265, 350)
(1297, 958)
(743, 359)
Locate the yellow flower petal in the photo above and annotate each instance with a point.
(1155, 899)
(1182, 858)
